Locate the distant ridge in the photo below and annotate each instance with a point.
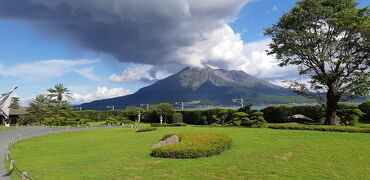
(204, 85)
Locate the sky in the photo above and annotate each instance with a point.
(107, 48)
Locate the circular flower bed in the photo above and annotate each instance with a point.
(193, 145)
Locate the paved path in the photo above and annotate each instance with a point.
(23, 133)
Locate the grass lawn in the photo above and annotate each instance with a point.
(3, 128)
(254, 154)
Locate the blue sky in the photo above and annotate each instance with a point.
(36, 59)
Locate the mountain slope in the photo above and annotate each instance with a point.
(207, 85)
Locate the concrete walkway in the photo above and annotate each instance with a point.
(24, 133)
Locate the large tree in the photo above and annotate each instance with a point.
(328, 40)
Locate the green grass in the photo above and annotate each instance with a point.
(254, 154)
(3, 128)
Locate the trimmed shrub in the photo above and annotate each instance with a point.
(194, 145)
(349, 114)
(177, 118)
(145, 129)
(319, 128)
(126, 121)
(277, 114)
(365, 108)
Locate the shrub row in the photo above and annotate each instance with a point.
(206, 117)
(193, 145)
(281, 114)
(167, 125)
(145, 129)
(320, 128)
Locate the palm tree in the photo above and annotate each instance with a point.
(40, 100)
(59, 93)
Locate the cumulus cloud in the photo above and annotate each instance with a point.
(47, 69)
(100, 93)
(143, 73)
(156, 33)
(188, 32)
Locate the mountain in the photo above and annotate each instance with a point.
(204, 86)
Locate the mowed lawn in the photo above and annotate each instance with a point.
(255, 154)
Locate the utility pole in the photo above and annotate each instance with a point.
(146, 106)
(240, 101)
(111, 107)
(182, 105)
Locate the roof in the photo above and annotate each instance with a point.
(17, 112)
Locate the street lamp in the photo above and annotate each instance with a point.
(78, 108)
(145, 105)
(182, 105)
(111, 107)
(240, 101)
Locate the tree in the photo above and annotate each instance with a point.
(132, 112)
(59, 93)
(329, 41)
(15, 103)
(163, 109)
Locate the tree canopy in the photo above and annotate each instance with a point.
(328, 40)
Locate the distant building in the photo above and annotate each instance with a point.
(14, 114)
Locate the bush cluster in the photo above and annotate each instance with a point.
(167, 125)
(145, 129)
(320, 128)
(365, 108)
(193, 145)
(281, 114)
(207, 117)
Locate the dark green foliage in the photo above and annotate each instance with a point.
(132, 112)
(194, 145)
(156, 111)
(349, 114)
(255, 119)
(282, 114)
(365, 108)
(329, 41)
(277, 114)
(145, 129)
(177, 118)
(206, 117)
(167, 125)
(316, 113)
(320, 128)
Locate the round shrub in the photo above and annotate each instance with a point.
(365, 108)
(177, 118)
(145, 129)
(194, 145)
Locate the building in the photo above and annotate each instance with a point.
(14, 114)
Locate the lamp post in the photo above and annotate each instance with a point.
(111, 107)
(146, 106)
(182, 105)
(240, 101)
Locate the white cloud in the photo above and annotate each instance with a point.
(40, 70)
(100, 93)
(275, 8)
(143, 73)
(87, 73)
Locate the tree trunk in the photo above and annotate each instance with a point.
(331, 109)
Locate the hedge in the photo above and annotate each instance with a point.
(204, 117)
(320, 128)
(365, 108)
(193, 145)
(145, 129)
